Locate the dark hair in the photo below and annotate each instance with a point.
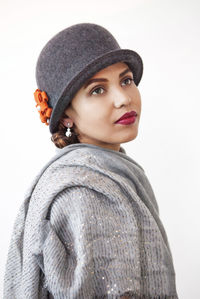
(60, 139)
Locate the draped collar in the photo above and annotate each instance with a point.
(121, 153)
(59, 150)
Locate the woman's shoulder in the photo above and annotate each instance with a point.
(73, 198)
(76, 203)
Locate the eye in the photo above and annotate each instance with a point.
(99, 90)
(96, 89)
(129, 79)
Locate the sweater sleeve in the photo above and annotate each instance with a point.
(91, 250)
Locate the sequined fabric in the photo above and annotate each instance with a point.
(89, 227)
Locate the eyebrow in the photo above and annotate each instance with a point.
(104, 80)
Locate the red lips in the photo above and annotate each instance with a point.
(128, 115)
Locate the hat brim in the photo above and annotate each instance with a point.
(130, 57)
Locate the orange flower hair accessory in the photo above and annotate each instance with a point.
(42, 106)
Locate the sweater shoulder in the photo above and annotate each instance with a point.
(75, 200)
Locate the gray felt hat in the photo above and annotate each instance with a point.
(74, 55)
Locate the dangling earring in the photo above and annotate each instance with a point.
(68, 132)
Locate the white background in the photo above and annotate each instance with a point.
(166, 34)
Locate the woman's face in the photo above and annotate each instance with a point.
(101, 102)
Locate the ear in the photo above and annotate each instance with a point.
(65, 122)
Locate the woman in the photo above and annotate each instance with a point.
(89, 226)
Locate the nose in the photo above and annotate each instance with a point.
(121, 98)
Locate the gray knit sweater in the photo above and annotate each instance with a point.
(89, 227)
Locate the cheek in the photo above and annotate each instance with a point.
(138, 96)
(138, 101)
(93, 113)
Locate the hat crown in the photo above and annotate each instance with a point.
(86, 36)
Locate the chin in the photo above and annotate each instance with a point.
(129, 139)
(131, 136)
